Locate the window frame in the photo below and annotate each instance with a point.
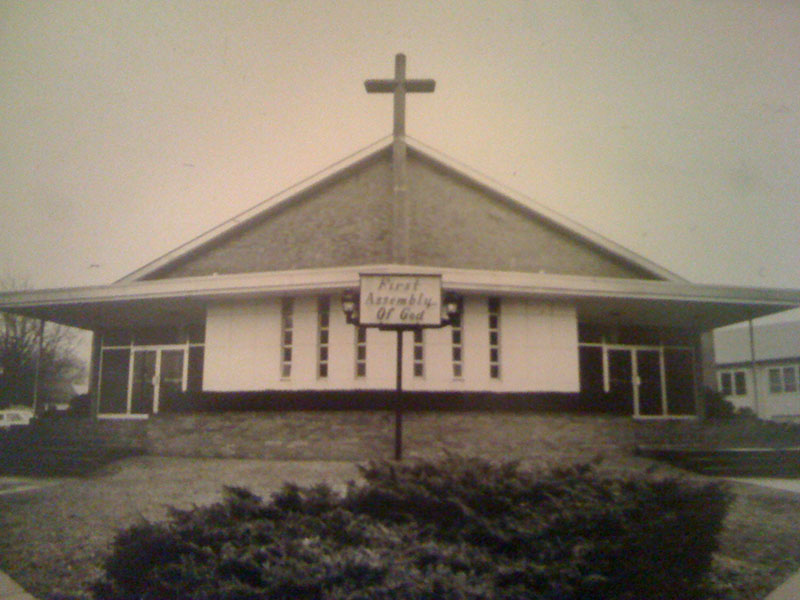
(323, 336)
(287, 337)
(418, 353)
(494, 314)
(360, 352)
(457, 342)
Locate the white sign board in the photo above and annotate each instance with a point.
(401, 300)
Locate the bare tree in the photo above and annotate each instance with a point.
(22, 353)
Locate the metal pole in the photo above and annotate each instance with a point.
(398, 408)
(753, 366)
(38, 372)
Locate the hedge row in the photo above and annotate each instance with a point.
(458, 529)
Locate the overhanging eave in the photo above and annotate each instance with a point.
(597, 299)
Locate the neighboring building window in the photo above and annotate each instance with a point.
(361, 351)
(733, 383)
(419, 354)
(783, 380)
(726, 383)
(789, 379)
(323, 335)
(739, 383)
(775, 381)
(457, 342)
(287, 327)
(494, 338)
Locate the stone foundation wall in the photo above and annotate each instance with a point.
(360, 435)
(72, 429)
(363, 435)
(302, 435)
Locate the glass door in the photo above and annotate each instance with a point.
(635, 381)
(157, 376)
(620, 380)
(648, 383)
(170, 380)
(143, 381)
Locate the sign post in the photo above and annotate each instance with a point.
(399, 303)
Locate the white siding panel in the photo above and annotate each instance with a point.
(476, 345)
(304, 347)
(381, 359)
(242, 346)
(538, 346)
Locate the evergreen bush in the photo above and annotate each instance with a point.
(458, 529)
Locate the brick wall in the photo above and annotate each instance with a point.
(301, 435)
(362, 435)
(120, 433)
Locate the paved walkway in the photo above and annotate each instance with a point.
(789, 589)
(10, 589)
(787, 485)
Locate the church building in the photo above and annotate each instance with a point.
(539, 310)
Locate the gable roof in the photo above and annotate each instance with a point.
(342, 216)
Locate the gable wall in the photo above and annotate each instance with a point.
(462, 226)
(346, 223)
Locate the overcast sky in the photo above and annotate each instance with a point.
(672, 128)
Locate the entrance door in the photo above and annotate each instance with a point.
(634, 381)
(143, 382)
(157, 375)
(648, 383)
(620, 380)
(170, 376)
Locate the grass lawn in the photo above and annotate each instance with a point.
(53, 539)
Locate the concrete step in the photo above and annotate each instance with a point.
(762, 462)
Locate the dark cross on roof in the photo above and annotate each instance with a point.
(400, 86)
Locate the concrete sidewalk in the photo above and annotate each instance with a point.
(790, 589)
(10, 589)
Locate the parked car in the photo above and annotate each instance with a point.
(12, 417)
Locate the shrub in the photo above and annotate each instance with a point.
(458, 529)
(717, 405)
(80, 406)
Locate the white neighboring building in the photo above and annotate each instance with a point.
(774, 392)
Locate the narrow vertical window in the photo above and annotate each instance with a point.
(361, 351)
(419, 353)
(323, 335)
(287, 327)
(457, 344)
(494, 338)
